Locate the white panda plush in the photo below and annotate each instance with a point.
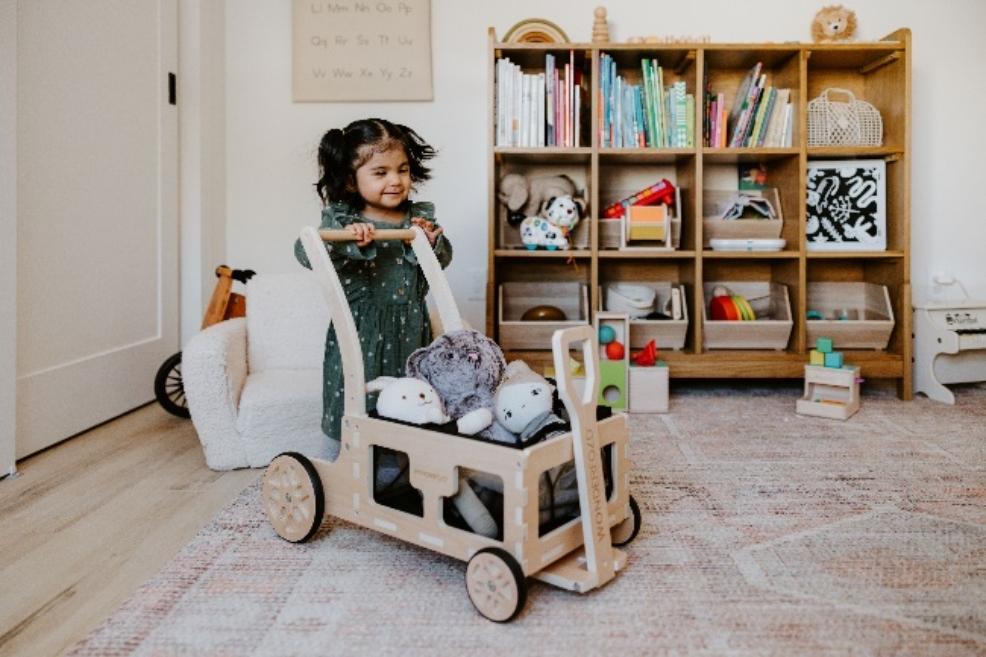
(551, 228)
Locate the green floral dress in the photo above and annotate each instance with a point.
(386, 292)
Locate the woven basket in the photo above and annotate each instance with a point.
(843, 123)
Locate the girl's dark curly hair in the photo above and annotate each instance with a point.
(341, 152)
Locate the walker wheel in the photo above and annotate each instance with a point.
(496, 584)
(169, 390)
(627, 530)
(293, 497)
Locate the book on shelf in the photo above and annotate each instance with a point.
(538, 109)
(647, 114)
(761, 115)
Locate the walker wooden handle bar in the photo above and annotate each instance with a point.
(404, 234)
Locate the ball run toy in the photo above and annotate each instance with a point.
(606, 334)
(614, 349)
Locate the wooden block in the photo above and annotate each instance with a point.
(824, 345)
(649, 389)
(645, 230)
(817, 357)
(613, 384)
(833, 359)
(648, 213)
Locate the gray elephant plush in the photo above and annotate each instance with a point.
(465, 368)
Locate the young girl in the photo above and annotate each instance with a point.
(368, 170)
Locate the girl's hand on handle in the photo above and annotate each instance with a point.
(362, 232)
(431, 231)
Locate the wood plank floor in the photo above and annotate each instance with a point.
(89, 520)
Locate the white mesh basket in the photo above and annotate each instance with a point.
(843, 123)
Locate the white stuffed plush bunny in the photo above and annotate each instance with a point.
(408, 400)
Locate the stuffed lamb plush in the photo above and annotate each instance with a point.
(408, 400)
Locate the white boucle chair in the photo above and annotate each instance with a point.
(254, 384)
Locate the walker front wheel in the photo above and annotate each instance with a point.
(496, 584)
(293, 497)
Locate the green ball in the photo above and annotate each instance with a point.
(606, 334)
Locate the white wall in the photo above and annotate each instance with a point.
(8, 232)
(202, 134)
(271, 141)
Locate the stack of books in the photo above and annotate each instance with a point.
(646, 114)
(539, 109)
(761, 116)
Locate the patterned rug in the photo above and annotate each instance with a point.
(765, 533)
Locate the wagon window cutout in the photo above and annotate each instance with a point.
(485, 488)
(558, 494)
(392, 482)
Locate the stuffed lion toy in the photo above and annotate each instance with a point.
(833, 24)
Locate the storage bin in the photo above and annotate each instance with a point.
(770, 301)
(870, 317)
(515, 298)
(668, 333)
(714, 201)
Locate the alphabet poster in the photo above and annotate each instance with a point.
(362, 50)
(847, 203)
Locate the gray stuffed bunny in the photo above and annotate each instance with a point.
(465, 368)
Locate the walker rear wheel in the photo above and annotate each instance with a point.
(627, 530)
(293, 497)
(496, 584)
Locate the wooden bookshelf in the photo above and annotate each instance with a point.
(878, 72)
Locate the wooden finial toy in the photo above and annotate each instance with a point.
(600, 28)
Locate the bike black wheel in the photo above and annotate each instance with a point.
(169, 389)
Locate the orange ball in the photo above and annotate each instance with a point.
(615, 350)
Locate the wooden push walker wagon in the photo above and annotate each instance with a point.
(578, 555)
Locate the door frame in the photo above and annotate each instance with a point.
(8, 236)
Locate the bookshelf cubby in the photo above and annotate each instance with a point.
(877, 72)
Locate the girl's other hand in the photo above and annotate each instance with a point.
(431, 231)
(363, 233)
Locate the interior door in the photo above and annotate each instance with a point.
(97, 249)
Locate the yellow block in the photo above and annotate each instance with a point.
(817, 357)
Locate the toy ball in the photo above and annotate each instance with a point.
(543, 314)
(606, 334)
(615, 350)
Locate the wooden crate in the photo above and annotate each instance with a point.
(669, 334)
(715, 228)
(769, 301)
(871, 317)
(515, 298)
(830, 392)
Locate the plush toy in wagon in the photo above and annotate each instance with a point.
(503, 472)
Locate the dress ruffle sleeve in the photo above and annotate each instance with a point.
(442, 246)
(336, 216)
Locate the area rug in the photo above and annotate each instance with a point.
(764, 533)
